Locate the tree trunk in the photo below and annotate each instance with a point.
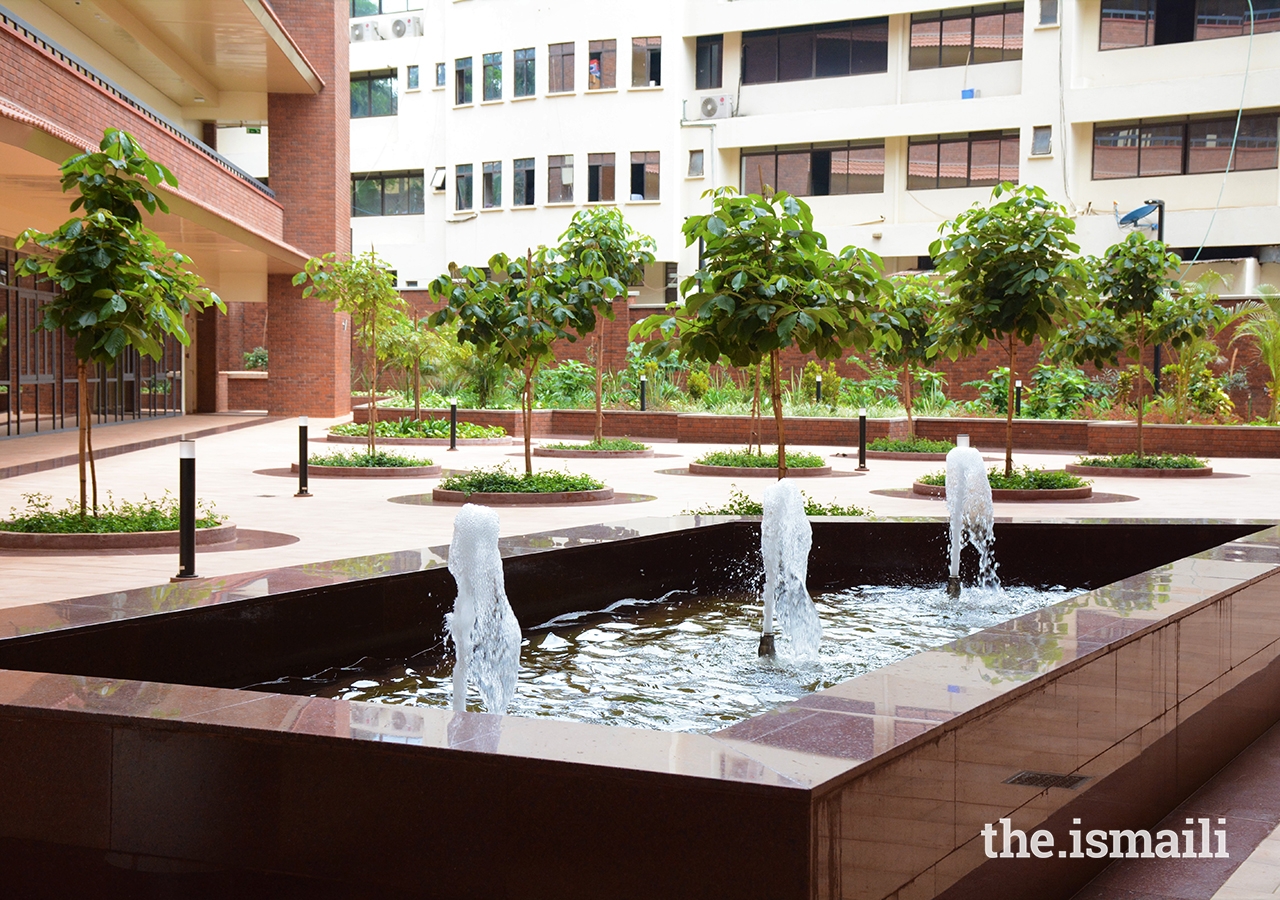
(906, 398)
(82, 392)
(417, 390)
(373, 388)
(93, 466)
(599, 438)
(1008, 419)
(527, 415)
(754, 433)
(775, 393)
(1142, 380)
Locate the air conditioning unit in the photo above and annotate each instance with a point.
(407, 26)
(719, 106)
(365, 31)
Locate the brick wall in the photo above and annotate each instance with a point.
(308, 343)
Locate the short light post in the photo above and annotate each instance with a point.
(186, 509)
(453, 423)
(644, 383)
(818, 390)
(962, 440)
(1017, 397)
(302, 458)
(862, 439)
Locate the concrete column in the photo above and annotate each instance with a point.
(308, 344)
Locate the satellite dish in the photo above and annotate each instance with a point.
(1141, 212)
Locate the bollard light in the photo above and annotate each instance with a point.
(862, 439)
(453, 423)
(302, 458)
(1017, 397)
(186, 509)
(962, 440)
(818, 392)
(643, 384)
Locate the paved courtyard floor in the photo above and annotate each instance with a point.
(243, 471)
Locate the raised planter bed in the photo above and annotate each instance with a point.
(1113, 472)
(369, 471)
(439, 495)
(420, 442)
(898, 454)
(1077, 493)
(757, 472)
(592, 454)
(124, 540)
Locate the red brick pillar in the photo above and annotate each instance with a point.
(309, 346)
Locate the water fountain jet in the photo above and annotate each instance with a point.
(785, 540)
(970, 512)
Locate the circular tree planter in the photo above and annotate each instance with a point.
(898, 454)
(1109, 471)
(121, 540)
(1076, 493)
(758, 472)
(521, 498)
(369, 471)
(418, 442)
(592, 454)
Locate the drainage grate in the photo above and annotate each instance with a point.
(1047, 780)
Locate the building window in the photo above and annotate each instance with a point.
(387, 194)
(695, 163)
(373, 94)
(828, 50)
(602, 65)
(672, 282)
(1048, 12)
(559, 68)
(600, 177)
(646, 61)
(381, 7)
(462, 81)
(1144, 23)
(462, 187)
(710, 62)
(815, 170)
(526, 85)
(411, 78)
(968, 34)
(1041, 140)
(1183, 146)
(560, 179)
(493, 76)
(440, 74)
(522, 185)
(644, 175)
(491, 184)
(437, 179)
(962, 160)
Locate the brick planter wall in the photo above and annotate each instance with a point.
(506, 418)
(1198, 440)
(1067, 435)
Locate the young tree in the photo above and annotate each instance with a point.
(602, 255)
(365, 288)
(908, 311)
(1261, 324)
(407, 342)
(1135, 303)
(120, 285)
(516, 313)
(1010, 272)
(767, 282)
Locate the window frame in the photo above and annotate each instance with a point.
(772, 39)
(597, 164)
(527, 67)
(559, 163)
(954, 16)
(527, 174)
(491, 184)
(831, 147)
(941, 142)
(701, 167)
(647, 178)
(557, 66)
(714, 63)
(490, 62)
(363, 81)
(442, 75)
(646, 62)
(464, 180)
(1185, 123)
(605, 49)
(412, 78)
(407, 177)
(463, 85)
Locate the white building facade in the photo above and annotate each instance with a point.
(483, 125)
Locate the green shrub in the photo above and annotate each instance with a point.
(255, 358)
(418, 428)
(501, 480)
(748, 460)
(698, 381)
(113, 517)
(910, 445)
(348, 459)
(1024, 479)
(614, 444)
(739, 504)
(1149, 461)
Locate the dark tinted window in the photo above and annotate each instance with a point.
(827, 50)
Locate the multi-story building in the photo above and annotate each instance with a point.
(176, 74)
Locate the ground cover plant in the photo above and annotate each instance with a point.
(378, 459)
(739, 504)
(501, 480)
(1024, 479)
(910, 445)
(419, 428)
(1148, 461)
(113, 517)
(609, 444)
(749, 459)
